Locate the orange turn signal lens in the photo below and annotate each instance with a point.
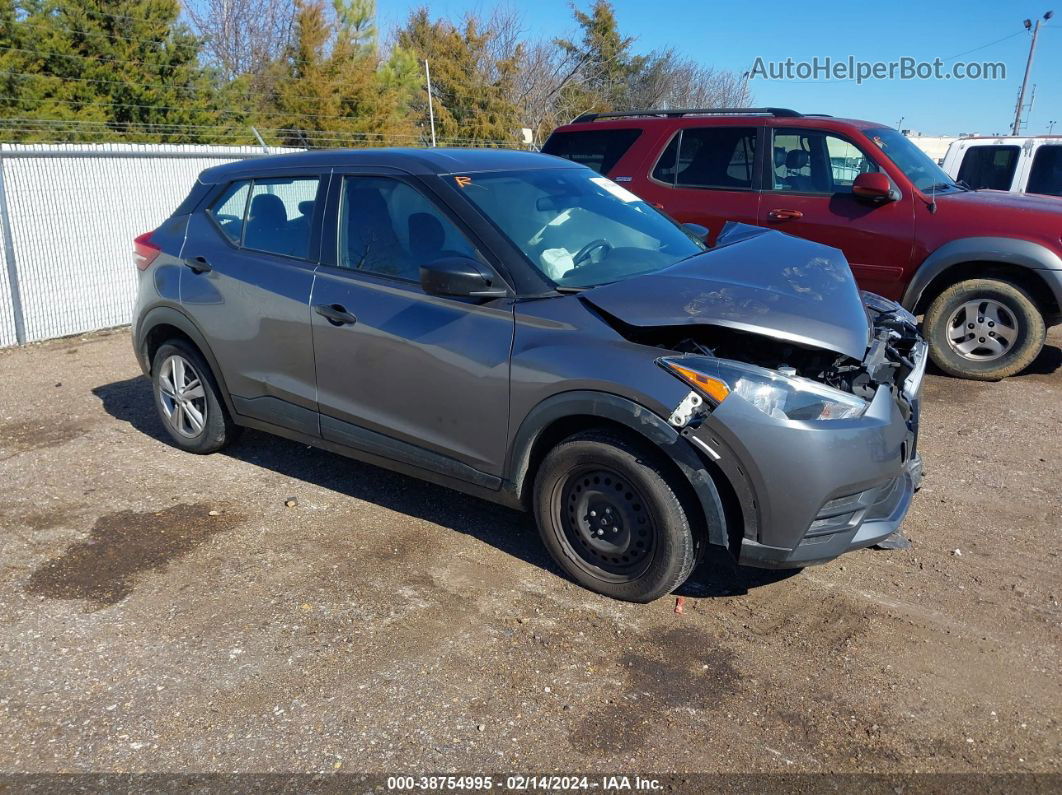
(712, 387)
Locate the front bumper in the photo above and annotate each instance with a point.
(810, 491)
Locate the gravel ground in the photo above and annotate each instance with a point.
(166, 612)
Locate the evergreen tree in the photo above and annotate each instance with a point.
(602, 61)
(471, 89)
(332, 87)
(106, 68)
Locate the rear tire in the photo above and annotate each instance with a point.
(188, 399)
(611, 519)
(984, 329)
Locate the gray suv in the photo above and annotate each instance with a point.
(519, 327)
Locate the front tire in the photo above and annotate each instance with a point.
(610, 517)
(188, 399)
(984, 329)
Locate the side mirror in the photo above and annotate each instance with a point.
(698, 231)
(459, 277)
(874, 187)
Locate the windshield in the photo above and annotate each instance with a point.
(916, 165)
(578, 228)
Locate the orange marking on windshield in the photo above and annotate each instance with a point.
(463, 182)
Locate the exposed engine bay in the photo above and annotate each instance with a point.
(890, 356)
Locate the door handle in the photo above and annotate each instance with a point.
(336, 314)
(198, 264)
(784, 215)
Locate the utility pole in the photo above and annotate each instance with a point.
(431, 110)
(1028, 68)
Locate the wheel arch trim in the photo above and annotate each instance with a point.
(172, 316)
(633, 416)
(1003, 250)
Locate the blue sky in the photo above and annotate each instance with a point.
(719, 34)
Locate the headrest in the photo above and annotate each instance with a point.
(268, 209)
(796, 159)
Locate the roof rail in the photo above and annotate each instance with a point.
(677, 112)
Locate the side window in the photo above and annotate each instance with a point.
(846, 163)
(390, 228)
(716, 157)
(596, 149)
(229, 210)
(813, 161)
(709, 157)
(989, 166)
(1046, 174)
(279, 214)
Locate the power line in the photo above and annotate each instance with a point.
(151, 106)
(173, 128)
(191, 90)
(983, 46)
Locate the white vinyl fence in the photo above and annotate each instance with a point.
(68, 216)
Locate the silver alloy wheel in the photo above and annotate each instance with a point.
(982, 330)
(182, 396)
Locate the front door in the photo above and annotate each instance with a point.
(416, 378)
(810, 195)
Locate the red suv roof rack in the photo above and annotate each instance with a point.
(782, 112)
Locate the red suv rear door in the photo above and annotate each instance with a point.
(809, 194)
(705, 174)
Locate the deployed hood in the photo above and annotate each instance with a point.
(755, 280)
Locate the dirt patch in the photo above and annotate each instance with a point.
(25, 435)
(692, 673)
(104, 568)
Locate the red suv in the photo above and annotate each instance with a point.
(985, 267)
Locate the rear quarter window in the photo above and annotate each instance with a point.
(596, 149)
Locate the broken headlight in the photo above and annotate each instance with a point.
(776, 395)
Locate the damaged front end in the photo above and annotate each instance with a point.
(808, 407)
(765, 370)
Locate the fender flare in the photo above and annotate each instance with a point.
(633, 416)
(172, 316)
(1007, 250)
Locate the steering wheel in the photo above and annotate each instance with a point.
(585, 252)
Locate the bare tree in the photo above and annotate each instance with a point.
(672, 81)
(242, 36)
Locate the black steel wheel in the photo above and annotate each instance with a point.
(615, 515)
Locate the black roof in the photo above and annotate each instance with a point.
(413, 161)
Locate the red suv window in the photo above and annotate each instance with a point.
(596, 149)
(709, 157)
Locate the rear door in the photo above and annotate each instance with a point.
(809, 194)
(707, 175)
(251, 258)
(420, 379)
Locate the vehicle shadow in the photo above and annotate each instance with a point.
(1047, 362)
(510, 531)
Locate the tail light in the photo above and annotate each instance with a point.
(144, 251)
